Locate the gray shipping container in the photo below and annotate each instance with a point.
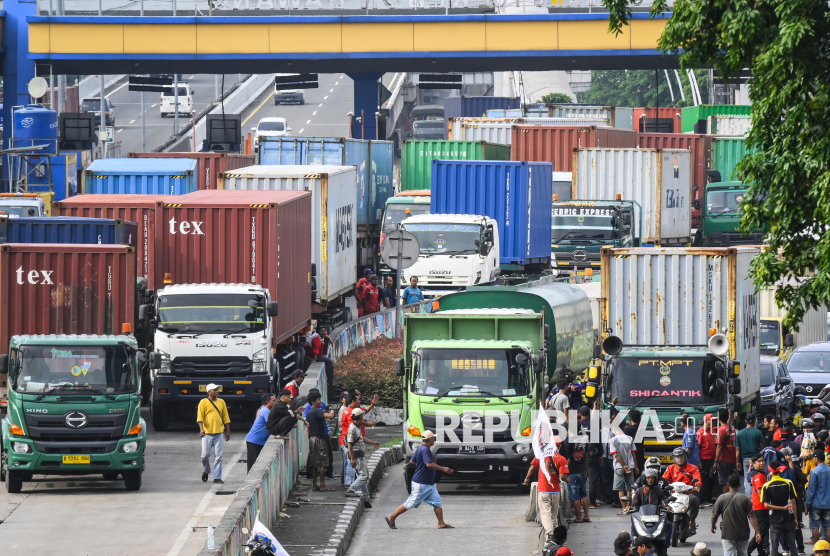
(660, 180)
(672, 297)
(499, 130)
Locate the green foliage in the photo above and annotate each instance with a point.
(638, 87)
(786, 46)
(556, 98)
(371, 369)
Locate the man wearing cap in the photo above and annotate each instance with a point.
(700, 549)
(357, 457)
(423, 483)
(778, 496)
(643, 546)
(359, 290)
(214, 428)
(748, 442)
(759, 479)
(817, 501)
(622, 546)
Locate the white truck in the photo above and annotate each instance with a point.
(15, 205)
(219, 333)
(457, 251)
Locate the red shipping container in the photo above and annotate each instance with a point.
(665, 113)
(701, 147)
(210, 164)
(556, 143)
(134, 208)
(65, 289)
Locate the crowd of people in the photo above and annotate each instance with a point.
(371, 296)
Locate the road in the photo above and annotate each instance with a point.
(99, 517)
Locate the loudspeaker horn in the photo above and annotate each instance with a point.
(718, 344)
(612, 345)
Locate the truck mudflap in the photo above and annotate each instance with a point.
(477, 456)
(250, 388)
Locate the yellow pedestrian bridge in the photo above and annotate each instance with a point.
(326, 44)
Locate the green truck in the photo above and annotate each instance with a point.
(721, 217)
(74, 408)
(478, 366)
(580, 229)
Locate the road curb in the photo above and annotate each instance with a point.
(350, 516)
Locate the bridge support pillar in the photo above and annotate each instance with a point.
(365, 104)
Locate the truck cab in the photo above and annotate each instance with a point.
(211, 333)
(74, 408)
(580, 229)
(457, 251)
(15, 205)
(721, 217)
(396, 209)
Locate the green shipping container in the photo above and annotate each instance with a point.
(726, 153)
(692, 114)
(417, 157)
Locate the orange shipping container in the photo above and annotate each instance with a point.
(210, 164)
(556, 143)
(665, 113)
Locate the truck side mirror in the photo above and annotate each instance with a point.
(696, 204)
(547, 331)
(155, 360)
(789, 341)
(736, 404)
(144, 312)
(488, 235)
(400, 370)
(735, 385)
(597, 351)
(538, 362)
(4, 363)
(477, 243)
(273, 308)
(149, 295)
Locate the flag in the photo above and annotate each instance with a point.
(261, 531)
(544, 443)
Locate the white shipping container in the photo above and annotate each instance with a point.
(811, 330)
(728, 125)
(672, 297)
(660, 180)
(498, 130)
(594, 292)
(334, 216)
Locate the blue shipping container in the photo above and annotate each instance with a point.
(380, 177)
(64, 176)
(68, 229)
(475, 107)
(142, 176)
(280, 151)
(517, 195)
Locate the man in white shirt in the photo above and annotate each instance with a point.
(621, 448)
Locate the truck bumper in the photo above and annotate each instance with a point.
(495, 455)
(52, 464)
(169, 388)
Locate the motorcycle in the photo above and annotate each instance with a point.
(679, 503)
(260, 545)
(651, 521)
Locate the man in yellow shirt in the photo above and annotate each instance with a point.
(215, 429)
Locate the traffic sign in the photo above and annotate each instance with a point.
(149, 84)
(400, 248)
(287, 82)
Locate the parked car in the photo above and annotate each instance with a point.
(167, 103)
(270, 127)
(289, 96)
(809, 366)
(93, 106)
(777, 388)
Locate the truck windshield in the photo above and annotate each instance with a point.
(809, 362)
(470, 372)
(211, 313)
(770, 334)
(14, 212)
(397, 212)
(723, 201)
(443, 237)
(667, 382)
(100, 369)
(581, 223)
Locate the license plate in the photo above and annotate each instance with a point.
(75, 459)
(203, 388)
(666, 458)
(466, 449)
(650, 518)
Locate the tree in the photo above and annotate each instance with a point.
(637, 88)
(556, 98)
(786, 45)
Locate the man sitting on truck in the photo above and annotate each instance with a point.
(685, 472)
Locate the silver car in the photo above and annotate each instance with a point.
(294, 96)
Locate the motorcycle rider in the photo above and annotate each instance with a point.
(653, 463)
(684, 472)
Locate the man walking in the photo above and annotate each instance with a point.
(622, 450)
(215, 429)
(748, 442)
(412, 293)
(258, 435)
(758, 478)
(357, 457)
(423, 483)
(818, 497)
(548, 492)
(735, 509)
(778, 495)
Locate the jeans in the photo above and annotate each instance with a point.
(348, 471)
(329, 366)
(785, 532)
(216, 444)
(763, 526)
(735, 548)
(361, 482)
(577, 488)
(747, 463)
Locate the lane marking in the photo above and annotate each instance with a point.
(341, 77)
(321, 104)
(154, 105)
(200, 510)
(336, 83)
(325, 98)
(132, 122)
(308, 122)
(302, 130)
(331, 91)
(251, 115)
(119, 130)
(314, 113)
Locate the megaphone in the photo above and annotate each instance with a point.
(612, 345)
(718, 344)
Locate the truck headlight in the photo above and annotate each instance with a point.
(20, 448)
(165, 364)
(523, 447)
(260, 358)
(130, 447)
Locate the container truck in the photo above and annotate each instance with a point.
(721, 217)
(680, 330)
(417, 157)
(23, 204)
(234, 298)
(556, 144)
(489, 348)
(403, 205)
(71, 363)
(658, 180)
(141, 176)
(333, 226)
(210, 164)
(780, 340)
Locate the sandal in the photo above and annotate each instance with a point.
(586, 520)
(390, 523)
(447, 526)
(574, 521)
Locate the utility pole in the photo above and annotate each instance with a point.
(61, 77)
(103, 99)
(143, 108)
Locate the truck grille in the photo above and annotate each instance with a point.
(443, 280)
(52, 434)
(198, 367)
(477, 431)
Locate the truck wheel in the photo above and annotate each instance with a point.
(14, 482)
(158, 409)
(110, 476)
(408, 473)
(132, 479)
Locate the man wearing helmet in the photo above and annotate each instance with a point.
(650, 492)
(652, 463)
(685, 472)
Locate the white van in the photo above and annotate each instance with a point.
(168, 101)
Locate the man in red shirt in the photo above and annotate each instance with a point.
(706, 441)
(370, 295)
(683, 471)
(315, 350)
(549, 492)
(359, 290)
(725, 453)
(294, 385)
(758, 479)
